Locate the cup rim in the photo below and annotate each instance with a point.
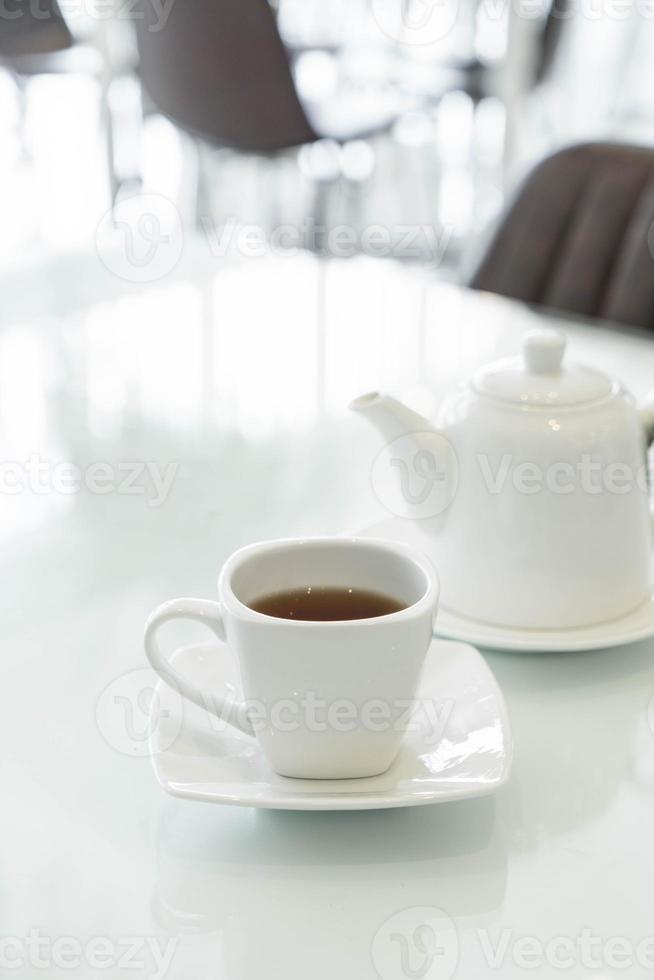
(233, 604)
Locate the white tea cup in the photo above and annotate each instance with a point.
(325, 699)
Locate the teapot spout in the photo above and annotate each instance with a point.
(418, 476)
(390, 417)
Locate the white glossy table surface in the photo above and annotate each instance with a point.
(238, 381)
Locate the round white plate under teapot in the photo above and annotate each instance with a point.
(636, 625)
(458, 743)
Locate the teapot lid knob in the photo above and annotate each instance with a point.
(543, 351)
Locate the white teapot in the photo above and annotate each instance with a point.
(545, 517)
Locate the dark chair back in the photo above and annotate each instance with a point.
(219, 68)
(28, 29)
(551, 38)
(579, 236)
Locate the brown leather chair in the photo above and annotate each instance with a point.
(219, 69)
(579, 236)
(551, 36)
(28, 31)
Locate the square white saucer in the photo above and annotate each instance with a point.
(461, 749)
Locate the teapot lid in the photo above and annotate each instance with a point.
(539, 377)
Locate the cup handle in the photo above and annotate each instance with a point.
(211, 614)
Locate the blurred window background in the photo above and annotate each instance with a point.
(454, 100)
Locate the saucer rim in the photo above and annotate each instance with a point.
(340, 800)
(454, 626)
